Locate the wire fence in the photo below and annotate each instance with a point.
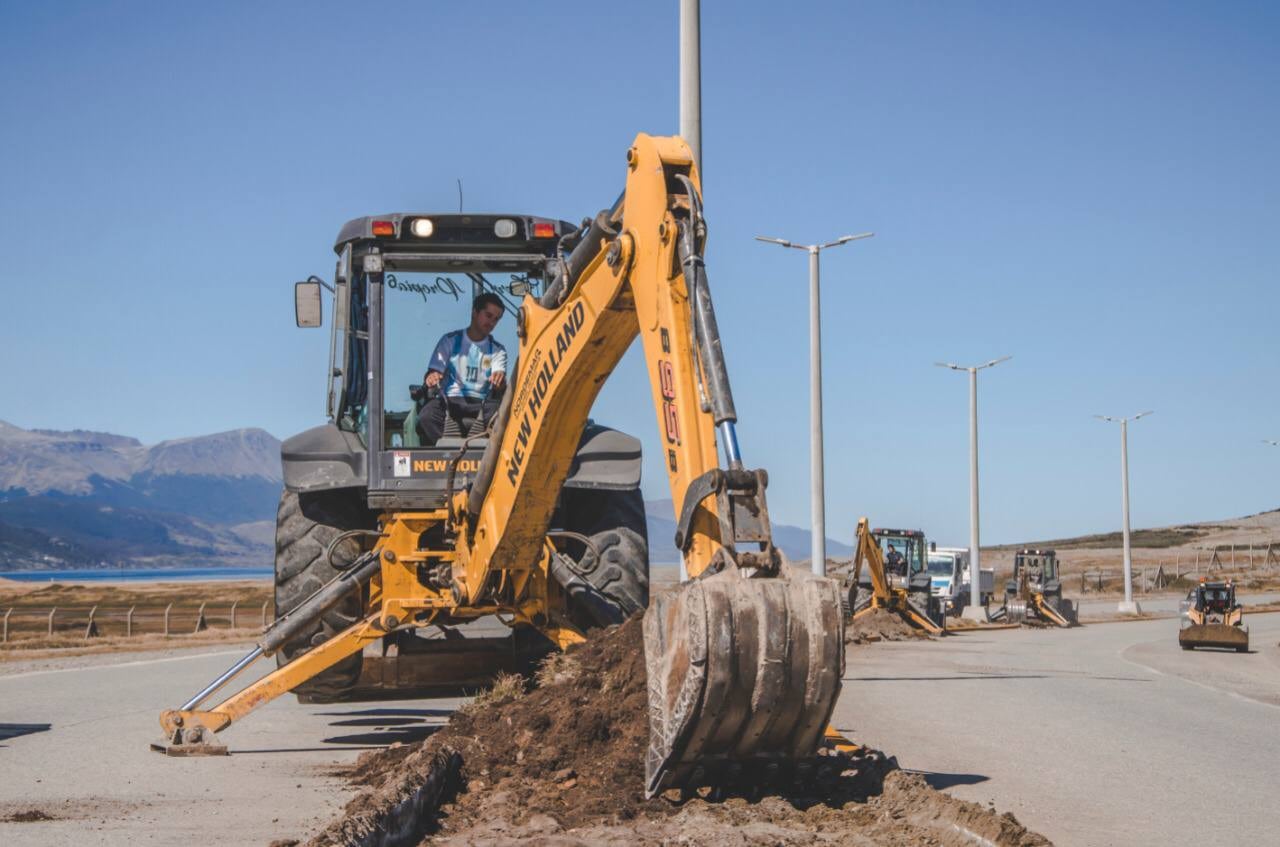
(63, 622)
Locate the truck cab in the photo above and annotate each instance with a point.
(949, 577)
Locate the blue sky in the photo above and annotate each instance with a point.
(1090, 187)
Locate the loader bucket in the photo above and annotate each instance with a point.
(743, 676)
(1214, 635)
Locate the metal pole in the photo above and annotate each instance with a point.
(975, 554)
(1128, 606)
(817, 500)
(817, 492)
(691, 78)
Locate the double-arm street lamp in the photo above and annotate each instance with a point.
(817, 503)
(1128, 606)
(975, 608)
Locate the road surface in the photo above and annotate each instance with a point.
(1104, 735)
(74, 738)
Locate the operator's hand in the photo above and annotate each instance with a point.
(497, 379)
(432, 379)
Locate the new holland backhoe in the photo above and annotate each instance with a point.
(895, 579)
(386, 546)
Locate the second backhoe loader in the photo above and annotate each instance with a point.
(1035, 591)
(530, 515)
(896, 580)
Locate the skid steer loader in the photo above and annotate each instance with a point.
(534, 517)
(895, 578)
(1034, 593)
(1211, 617)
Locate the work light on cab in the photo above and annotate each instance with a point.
(504, 227)
(422, 227)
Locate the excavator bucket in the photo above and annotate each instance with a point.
(743, 676)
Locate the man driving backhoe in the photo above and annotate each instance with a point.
(469, 367)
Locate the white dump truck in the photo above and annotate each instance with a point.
(949, 575)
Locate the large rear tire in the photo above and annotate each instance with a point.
(615, 523)
(305, 526)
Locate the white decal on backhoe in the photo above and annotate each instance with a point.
(564, 340)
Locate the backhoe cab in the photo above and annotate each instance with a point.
(1035, 591)
(535, 518)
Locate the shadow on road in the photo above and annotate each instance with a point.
(946, 780)
(14, 730)
(390, 713)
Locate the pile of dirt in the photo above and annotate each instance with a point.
(563, 765)
(880, 625)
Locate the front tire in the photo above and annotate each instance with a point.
(305, 526)
(615, 523)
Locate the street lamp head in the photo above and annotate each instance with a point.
(774, 241)
(995, 362)
(1272, 442)
(844, 239)
(949, 365)
(1142, 415)
(1107, 418)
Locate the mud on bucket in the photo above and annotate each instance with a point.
(743, 676)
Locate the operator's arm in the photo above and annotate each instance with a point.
(498, 375)
(439, 362)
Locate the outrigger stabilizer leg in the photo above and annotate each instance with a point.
(190, 731)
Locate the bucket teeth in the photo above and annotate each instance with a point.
(743, 676)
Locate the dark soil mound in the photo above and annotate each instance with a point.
(880, 625)
(563, 765)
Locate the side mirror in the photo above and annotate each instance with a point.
(306, 303)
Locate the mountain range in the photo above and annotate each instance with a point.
(96, 500)
(82, 499)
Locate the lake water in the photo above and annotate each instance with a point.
(138, 574)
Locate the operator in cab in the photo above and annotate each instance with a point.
(469, 367)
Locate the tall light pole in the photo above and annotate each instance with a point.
(817, 498)
(1128, 606)
(691, 78)
(975, 610)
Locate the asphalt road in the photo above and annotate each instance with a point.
(1108, 734)
(74, 738)
(1104, 735)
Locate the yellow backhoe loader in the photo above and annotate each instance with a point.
(903, 587)
(530, 515)
(1211, 617)
(1035, 591)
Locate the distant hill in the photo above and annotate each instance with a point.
(93, 499)
(794, 541)
(1260, 529)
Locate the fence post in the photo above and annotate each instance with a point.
(201, 623)
(51, 614)
(91, 628)
(166, 618)
(264, 612)
(128, 622)
(1233, 555)
(1250, 555)
(6, 626)
(233, 613)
